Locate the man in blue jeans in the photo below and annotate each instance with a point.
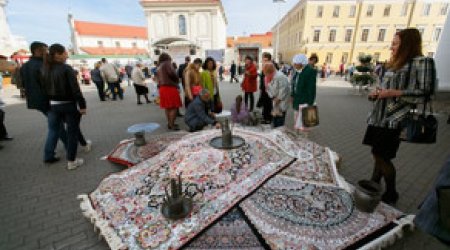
(36, 99)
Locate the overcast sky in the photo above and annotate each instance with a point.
(46, 20)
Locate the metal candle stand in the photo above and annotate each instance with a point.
(139, 139)
(177, 205)
(227, 140)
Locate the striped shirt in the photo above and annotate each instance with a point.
(389, 112)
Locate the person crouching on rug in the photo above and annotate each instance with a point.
(239, 112)
(138, 78)
(196, 117)
(399, 93)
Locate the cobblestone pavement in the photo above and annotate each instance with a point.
(38, 206)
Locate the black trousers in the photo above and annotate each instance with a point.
(3, 132)
(252, 100)
(100, 89)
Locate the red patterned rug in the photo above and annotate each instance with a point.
(127, 154)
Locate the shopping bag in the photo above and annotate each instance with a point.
(298, 119)
(310, 116)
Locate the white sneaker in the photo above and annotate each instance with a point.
(88, 146)
(71, 165)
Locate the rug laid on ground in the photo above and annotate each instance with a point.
(127, 154)
(232, 232)
(291, 214)
(126, 206)
(278, 203)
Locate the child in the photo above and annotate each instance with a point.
(239, 112)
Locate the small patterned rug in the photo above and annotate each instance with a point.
(229, 233)
(127, 154)
(290, 214)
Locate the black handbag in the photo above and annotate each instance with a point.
(419, 128)
(310, 116)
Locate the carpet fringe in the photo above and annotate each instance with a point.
(114, 242)
(334, 158)
(393, 235)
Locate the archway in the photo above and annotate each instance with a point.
(177, 47)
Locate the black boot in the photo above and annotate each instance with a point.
(146, 99)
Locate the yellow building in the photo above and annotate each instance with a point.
(339, 31)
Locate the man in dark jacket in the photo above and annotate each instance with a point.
(182, 68)
(196, 117)
(35, 96)
(233, 72)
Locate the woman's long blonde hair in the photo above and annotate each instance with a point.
(193, 72)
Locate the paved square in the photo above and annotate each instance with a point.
(38, 206)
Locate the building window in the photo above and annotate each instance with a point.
(352, 11)
(302, 14)
(332, 36)
(381, 35)
(437, 34)
(344, 57)
(117, 44)
(319, 11)
(336, 11)
(426, 9)
(182, 25)
(376, 56)
(365, 35)
(134, 44)
(100, 43)
(387, 10)
(329, 58)
(369, 10)
(316, 37)
(444, 9)
(404, 9)
(348, 35)
(430, 54)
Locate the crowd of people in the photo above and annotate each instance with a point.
(52, 88)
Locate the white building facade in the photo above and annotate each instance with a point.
(443, 60)
(122, 44)
(185, 27)
(8, 42)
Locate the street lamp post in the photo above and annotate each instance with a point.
(278, 29)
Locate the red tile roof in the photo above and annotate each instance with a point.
(110, 30)
(264, 39)
(113, 51)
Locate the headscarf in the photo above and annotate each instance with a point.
(300, 59)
